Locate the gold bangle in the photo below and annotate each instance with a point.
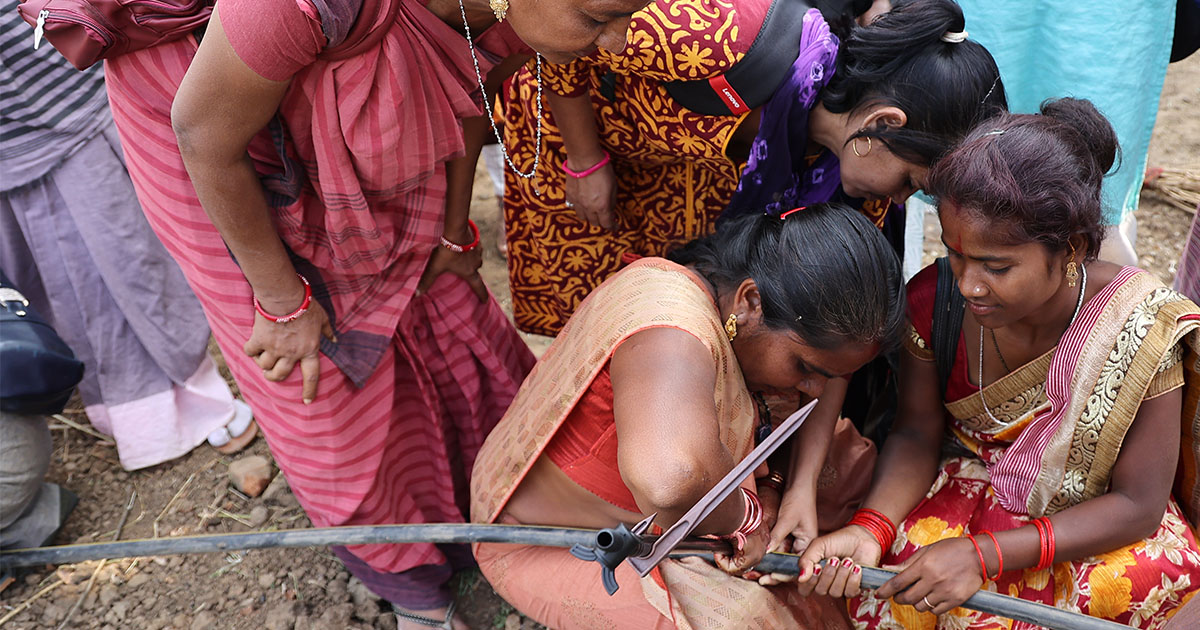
(774, 479)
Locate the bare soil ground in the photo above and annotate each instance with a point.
(307, 589)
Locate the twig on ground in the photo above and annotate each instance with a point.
(209, 512)
(27, 603)
(175, 498)
(231, 561)
(84, 429)
(92, 580)
(125, 514)
(241, 518)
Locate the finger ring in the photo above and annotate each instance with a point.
(926, 600)
(569, 204)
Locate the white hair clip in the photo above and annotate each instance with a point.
(954, 38)
(995, 132)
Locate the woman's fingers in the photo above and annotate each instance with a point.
(769, 580)
(253, 347)
(478, 287)
(898, 587)
(281, 369)
(605, 218)
(265, 359)
(840, 576)
(853, 582)
(310, 373)
(277, 347)
(725, 563)
(827, 576)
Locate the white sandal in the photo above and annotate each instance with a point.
(237, 433)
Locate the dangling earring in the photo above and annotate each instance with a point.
(854, 146)
(1072, 268)
(731, 326)
(500, 8)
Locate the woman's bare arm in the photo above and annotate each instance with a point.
(669, 444)
(220, 106)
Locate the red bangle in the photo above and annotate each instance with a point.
(979, 552)
(878, 525)
(881, 516)
(462, 249)
(999, 555)
(1050, 545)
(283, 319)
(595, 167)
(1045, 543)
(752, 519)
(1037, 524)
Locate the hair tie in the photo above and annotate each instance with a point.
(954, 38)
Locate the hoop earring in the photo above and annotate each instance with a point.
(1072, 268)
(499, 8)
(731, 326)
(854, 146)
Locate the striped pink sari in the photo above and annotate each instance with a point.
(414, 383)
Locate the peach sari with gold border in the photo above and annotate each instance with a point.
(651, 292)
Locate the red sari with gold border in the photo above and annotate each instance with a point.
(1059, 422)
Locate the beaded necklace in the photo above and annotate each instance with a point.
(487, 106)
(1078, 306)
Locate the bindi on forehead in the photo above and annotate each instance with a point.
(955, 243)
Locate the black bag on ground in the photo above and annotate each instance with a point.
(38, 371)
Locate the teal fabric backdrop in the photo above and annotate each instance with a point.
(1112, 52)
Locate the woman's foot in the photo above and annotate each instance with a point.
(238, 433)
(409, 619)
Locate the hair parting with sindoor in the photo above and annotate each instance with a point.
(1033, 177)
(900, 60)
(825, 273)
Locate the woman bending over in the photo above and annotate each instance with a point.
(646, 400)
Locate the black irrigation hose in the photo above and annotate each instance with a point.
(983, 601)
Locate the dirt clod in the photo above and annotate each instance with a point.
(250, 474)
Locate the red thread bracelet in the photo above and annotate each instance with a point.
(595, 167)
(283, 319)
(999, 555)
(462, 249)
(979, 552)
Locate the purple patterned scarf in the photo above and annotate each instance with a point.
(776, 178)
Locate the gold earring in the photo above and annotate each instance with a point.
(731, 326)
(854, 146)
(1072, 268)
(500, 8)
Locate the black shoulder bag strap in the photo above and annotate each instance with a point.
(948, 306)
